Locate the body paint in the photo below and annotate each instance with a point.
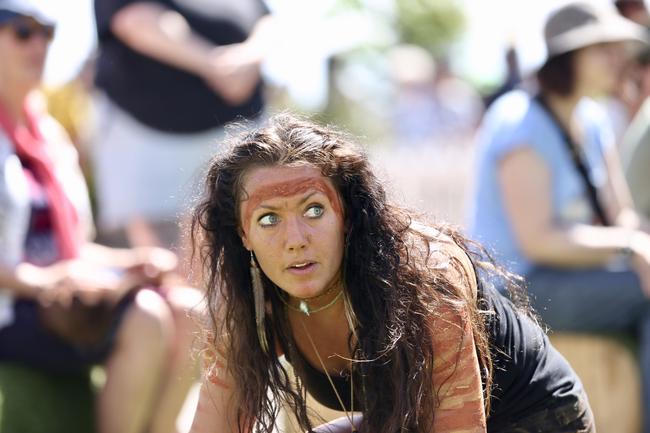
(290, 188)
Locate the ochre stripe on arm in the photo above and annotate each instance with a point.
(456, 374)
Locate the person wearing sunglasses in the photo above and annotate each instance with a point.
(25, 29)
(67, 303)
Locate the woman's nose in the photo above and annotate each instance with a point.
(296, 235)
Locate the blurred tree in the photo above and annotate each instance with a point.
(358, 77)
(431, 24)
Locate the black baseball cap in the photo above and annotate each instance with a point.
(11, 9)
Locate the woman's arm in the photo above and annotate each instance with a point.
(525, 183)
(29, 281)
(216, 411)
(165, 35)
(456, 372)
(618, 197)
(160, 259)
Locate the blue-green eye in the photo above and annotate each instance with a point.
(314, 211)
(269, 219)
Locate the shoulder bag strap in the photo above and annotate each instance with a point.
(579, 164)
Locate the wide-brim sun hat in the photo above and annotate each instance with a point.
(579, 25)
(11, 9)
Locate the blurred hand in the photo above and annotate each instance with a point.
(233, 72)
(79, 303)
(151, 265)
(640, 246)
(91, 283)
(77, 279)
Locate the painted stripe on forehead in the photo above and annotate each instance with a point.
(288, 189)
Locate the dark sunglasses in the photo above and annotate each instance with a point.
(24, 30)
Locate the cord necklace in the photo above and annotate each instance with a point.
(303, 306)
(348, 414)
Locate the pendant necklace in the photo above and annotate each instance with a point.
(304, 308)
(349, 414)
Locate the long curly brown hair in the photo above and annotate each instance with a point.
(392, 293)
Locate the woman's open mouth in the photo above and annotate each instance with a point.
(302, 267)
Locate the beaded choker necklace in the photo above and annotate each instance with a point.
(303, 306)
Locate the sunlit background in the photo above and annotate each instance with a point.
(337, 59)
(469, 36)
(490, 26)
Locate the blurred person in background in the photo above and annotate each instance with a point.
(634, 10)
(170, 73)
(67, 303)
(513, 79)
(635, 142)
(635, 146)
(634, 95)
(625, 101)
(412, 70)
(431, 103)
(550, 196)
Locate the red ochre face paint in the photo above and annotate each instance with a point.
(272, 182)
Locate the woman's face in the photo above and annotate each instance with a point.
(292, 219)
(23, 44)
(599, 68)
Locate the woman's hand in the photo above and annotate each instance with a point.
(37, 280)
(640, 249)
(233, 72)
(151, 265)
(92, 281)
(65, 281)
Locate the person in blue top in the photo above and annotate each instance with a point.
(550, 198)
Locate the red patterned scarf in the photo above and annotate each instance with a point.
(30, 148)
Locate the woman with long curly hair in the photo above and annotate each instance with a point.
(381, 317)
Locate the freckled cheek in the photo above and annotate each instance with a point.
(266, 242)
(334, 238)
(267, 260)
(268, 247)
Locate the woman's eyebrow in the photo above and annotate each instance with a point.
(307, 197)
(302, 201)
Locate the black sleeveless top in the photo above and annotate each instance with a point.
(529, 374)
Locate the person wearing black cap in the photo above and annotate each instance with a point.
(65, 302)
(550, 197)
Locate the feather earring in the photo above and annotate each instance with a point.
(260, 306)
